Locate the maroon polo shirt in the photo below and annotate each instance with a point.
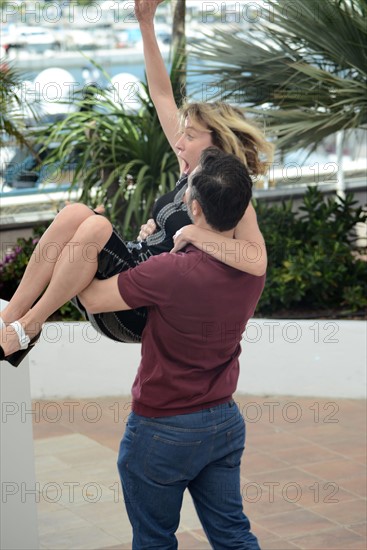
(198, 310)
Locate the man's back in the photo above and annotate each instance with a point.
(198, 310)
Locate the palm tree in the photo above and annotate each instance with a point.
(302, 66)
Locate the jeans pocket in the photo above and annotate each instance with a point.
(171, 460)
(235, 444)
(127, 445)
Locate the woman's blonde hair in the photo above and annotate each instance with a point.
(232, 133)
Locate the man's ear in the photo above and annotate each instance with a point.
(196, 208)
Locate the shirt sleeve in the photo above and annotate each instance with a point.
(150, 283)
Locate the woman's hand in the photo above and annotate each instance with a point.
(181, 238)
(147, 229)
(100, 209)
(145, 10)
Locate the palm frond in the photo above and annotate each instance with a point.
(303, 67)
(12, 106)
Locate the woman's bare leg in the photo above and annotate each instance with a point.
(44, 257)
(72, 273)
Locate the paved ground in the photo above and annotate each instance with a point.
(303, 474)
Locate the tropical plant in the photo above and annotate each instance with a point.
(302, 65)
(122, 158)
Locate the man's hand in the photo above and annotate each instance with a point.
(181, 238)
(147, 229)
(145, 10)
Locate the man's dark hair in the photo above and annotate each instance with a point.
(223, 188)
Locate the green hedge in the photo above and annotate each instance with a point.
(314, 263)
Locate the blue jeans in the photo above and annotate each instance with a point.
(160, 457)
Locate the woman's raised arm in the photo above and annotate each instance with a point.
(159, 83)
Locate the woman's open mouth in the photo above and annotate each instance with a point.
(186, 167)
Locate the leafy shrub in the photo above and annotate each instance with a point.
(12, 267)
(13, 264)
(314, 263)
(122, 156)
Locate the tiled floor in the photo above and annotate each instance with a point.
(303, 474)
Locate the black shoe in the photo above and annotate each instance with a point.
(17, 357)
(25, 346)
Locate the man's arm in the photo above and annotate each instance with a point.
(246, 251)
(150, 283)
(103, 296)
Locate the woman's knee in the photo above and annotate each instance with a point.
(95, 230)
(74, 214)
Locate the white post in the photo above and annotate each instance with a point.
(19, 495)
